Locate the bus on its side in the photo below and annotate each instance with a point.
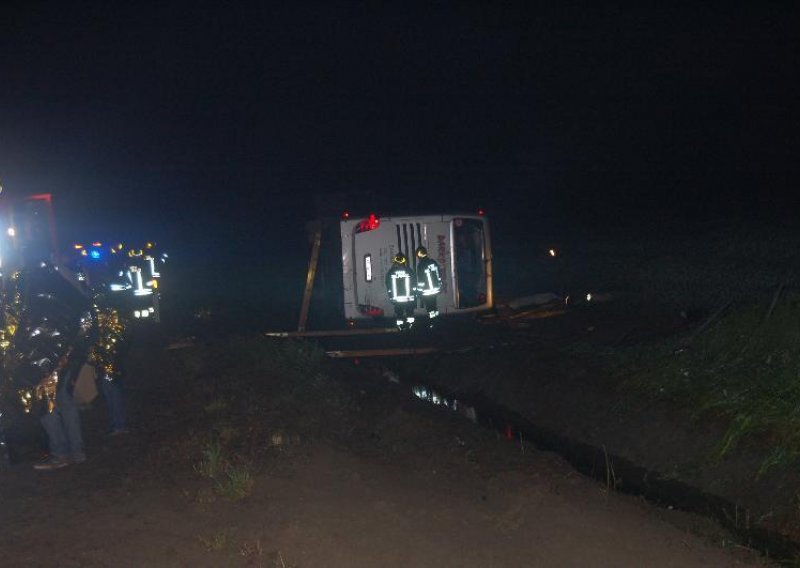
(459, 243)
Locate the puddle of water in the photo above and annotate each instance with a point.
(626, 477)
(433, 397)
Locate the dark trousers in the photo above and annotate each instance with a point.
(63, 426)
(115, 401)
(404, 311)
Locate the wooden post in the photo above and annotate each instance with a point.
(312, 272)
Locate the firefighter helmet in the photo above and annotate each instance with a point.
(399, 259)
(422, 252)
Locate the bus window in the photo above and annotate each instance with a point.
(469, 261)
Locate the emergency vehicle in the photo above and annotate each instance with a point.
(28, 232)
(461, 245)
(130, 274)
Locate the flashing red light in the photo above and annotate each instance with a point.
(481, 212)
(345, 215)
(369, 224)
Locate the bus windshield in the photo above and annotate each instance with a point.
(470, 262)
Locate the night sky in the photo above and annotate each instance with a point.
(195, 125)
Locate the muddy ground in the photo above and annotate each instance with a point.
(344, 468)
(560, 374)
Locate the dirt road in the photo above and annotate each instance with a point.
(346, 474)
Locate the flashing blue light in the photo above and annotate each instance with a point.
(95, 254)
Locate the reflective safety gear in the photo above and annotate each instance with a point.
(429, 281)
(400, 285)
(401, 288)
(404, 315)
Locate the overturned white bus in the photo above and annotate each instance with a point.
(459, 243)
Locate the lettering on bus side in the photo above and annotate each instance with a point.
(442, 258)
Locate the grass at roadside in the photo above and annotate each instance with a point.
(745, 369)
(249, 399)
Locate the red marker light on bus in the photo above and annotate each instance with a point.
(369, 224)
(345, 215)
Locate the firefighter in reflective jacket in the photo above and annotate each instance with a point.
(402, 294)
(429, 281)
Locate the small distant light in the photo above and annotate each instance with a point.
(552, 252)
(137, 314)
(77, 246)
(12, 232)
(84, 253)
(149, 245)
(95, 254)
(145, 313)
(588, 297)
(345, 215)
(97, 244)
(481, 212)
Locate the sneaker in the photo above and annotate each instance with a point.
(51, 463)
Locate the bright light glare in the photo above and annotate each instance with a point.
(552, 252)
(368, 267)
(12, 232)
(588, 297)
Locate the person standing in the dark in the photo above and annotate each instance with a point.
(62, 421)
(52, 341)
(400, 285)
(429, 282)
